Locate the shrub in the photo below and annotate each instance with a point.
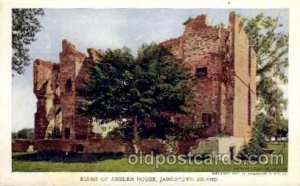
(255, 147)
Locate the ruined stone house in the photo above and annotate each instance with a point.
(224, 65)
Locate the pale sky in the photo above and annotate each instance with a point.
(107, 28)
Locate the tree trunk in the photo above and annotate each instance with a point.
(136, 137)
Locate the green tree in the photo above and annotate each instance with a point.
(266, 124)
(257, 143)
(14, 135)
(139, 90)
(25, 25)
(25, 133)
(270, 43)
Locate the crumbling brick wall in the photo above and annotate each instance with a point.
(227, 92)
(107, 145)
(21, 145)
(221, 60)
(56, 87)
(47, 91)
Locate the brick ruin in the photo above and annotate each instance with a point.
(225, 68)
(224, 65)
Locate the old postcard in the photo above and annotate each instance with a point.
(155, 93)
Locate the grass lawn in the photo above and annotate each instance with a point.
(26, 162)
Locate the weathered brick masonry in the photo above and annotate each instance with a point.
(225, 68)
(221, 59)
(21, 145)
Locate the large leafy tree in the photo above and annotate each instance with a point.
(138, 89)
(25, 25)
(270, 42)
